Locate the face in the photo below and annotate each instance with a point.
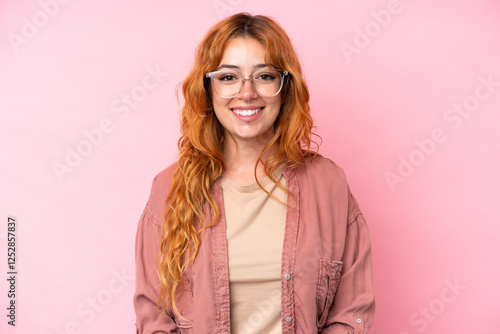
(246, 54)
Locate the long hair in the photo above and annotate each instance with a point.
(201, 159)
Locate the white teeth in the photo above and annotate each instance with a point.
(246, 112)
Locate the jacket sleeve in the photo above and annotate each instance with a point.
(149, 320)
(353, 308)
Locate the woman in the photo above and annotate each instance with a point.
(250, 231)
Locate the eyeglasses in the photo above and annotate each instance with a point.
(228, 83)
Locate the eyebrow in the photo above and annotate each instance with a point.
(238, 68)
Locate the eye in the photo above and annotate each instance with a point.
(265, 76)
(227, 77)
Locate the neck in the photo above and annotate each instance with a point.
(241, 157)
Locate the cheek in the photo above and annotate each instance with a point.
(218, 101)
(276, 104)
(221, 114)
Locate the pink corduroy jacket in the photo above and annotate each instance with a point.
(326, 271)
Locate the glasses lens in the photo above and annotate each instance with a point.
(266, 82)
(227, 83)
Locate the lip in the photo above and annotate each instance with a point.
(248, 118)
(247, 107)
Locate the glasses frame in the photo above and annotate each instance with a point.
(282, 73)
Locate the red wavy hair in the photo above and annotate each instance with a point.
(201, 159)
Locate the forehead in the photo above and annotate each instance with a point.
(243, 52)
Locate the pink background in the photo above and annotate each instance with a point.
(384, 108)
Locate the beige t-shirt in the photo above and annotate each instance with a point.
(255, 230)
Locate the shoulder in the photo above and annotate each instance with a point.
(321, 169)
(164, 178)
(162, 183)
(320, 179)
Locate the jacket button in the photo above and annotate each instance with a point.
(336, 268)
(358, 320)
(287, 277)
(288, 319)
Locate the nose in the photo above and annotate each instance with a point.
(248, 91)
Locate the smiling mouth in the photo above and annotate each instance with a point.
(246, 112)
